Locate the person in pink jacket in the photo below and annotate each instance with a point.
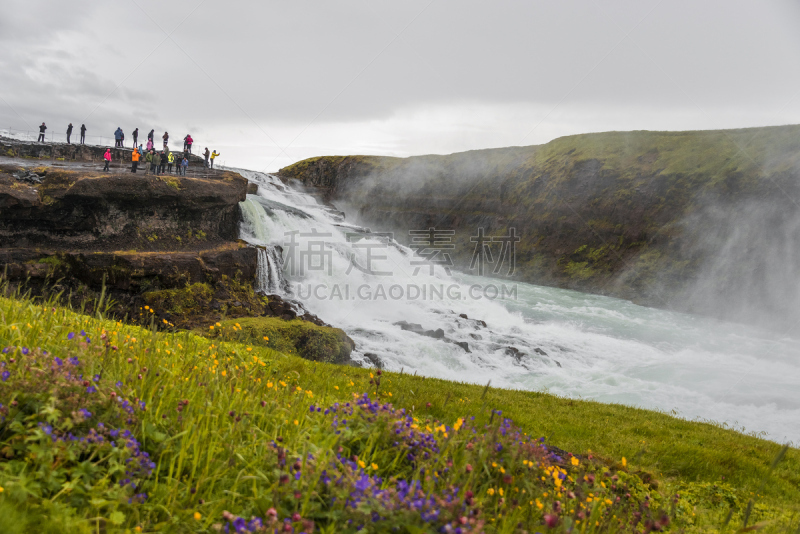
(107, 157)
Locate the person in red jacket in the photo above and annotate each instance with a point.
(107, 157)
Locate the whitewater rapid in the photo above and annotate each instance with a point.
(535, 338)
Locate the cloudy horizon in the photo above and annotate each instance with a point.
(267, 84)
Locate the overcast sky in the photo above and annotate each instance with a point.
(269, 83)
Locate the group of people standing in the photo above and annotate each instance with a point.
(158, 161)
(43, 129)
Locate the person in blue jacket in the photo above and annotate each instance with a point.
(118, 135)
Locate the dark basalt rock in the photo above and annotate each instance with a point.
(417, 329)
(463, 344)
(515, 353)
(373, 358)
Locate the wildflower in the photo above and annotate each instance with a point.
(71, 335)
(296, 422)
(490, 491)
(197, 516)
(575, 461)
(361, 464)
(374, 466)
(266, 338)
(624, 462)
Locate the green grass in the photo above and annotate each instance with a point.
(215, 453)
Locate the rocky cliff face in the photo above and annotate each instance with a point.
(699, 221)
(70, 209)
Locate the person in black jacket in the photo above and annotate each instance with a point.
(135, 137)
(83, 133)
(69, 132)
(150, 135)
(163, 167)
(42, 128)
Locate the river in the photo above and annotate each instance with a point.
(522, 336)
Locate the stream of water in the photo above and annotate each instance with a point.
(517, 335)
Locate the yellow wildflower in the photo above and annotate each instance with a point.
(490, 491)
(575, 461)
(624, 462)
(197, 516)
(361, 464)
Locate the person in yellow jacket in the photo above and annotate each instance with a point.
(213, 155)
(170, 161)
(135, 160)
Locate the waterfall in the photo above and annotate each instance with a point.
(269, 274)
(541, 338)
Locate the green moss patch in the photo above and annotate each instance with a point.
(307, 340)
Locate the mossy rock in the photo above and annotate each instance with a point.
(312, 342)
(179, 301)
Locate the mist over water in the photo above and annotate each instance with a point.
(568, 343)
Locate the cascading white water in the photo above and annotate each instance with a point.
(565, 342)
(269, 274)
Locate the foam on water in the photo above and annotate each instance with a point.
(572, 344)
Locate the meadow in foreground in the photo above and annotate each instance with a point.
(108, 427)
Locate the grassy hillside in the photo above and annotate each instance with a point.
(114, 428)
(671, 219)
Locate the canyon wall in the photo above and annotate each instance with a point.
(705, 221)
